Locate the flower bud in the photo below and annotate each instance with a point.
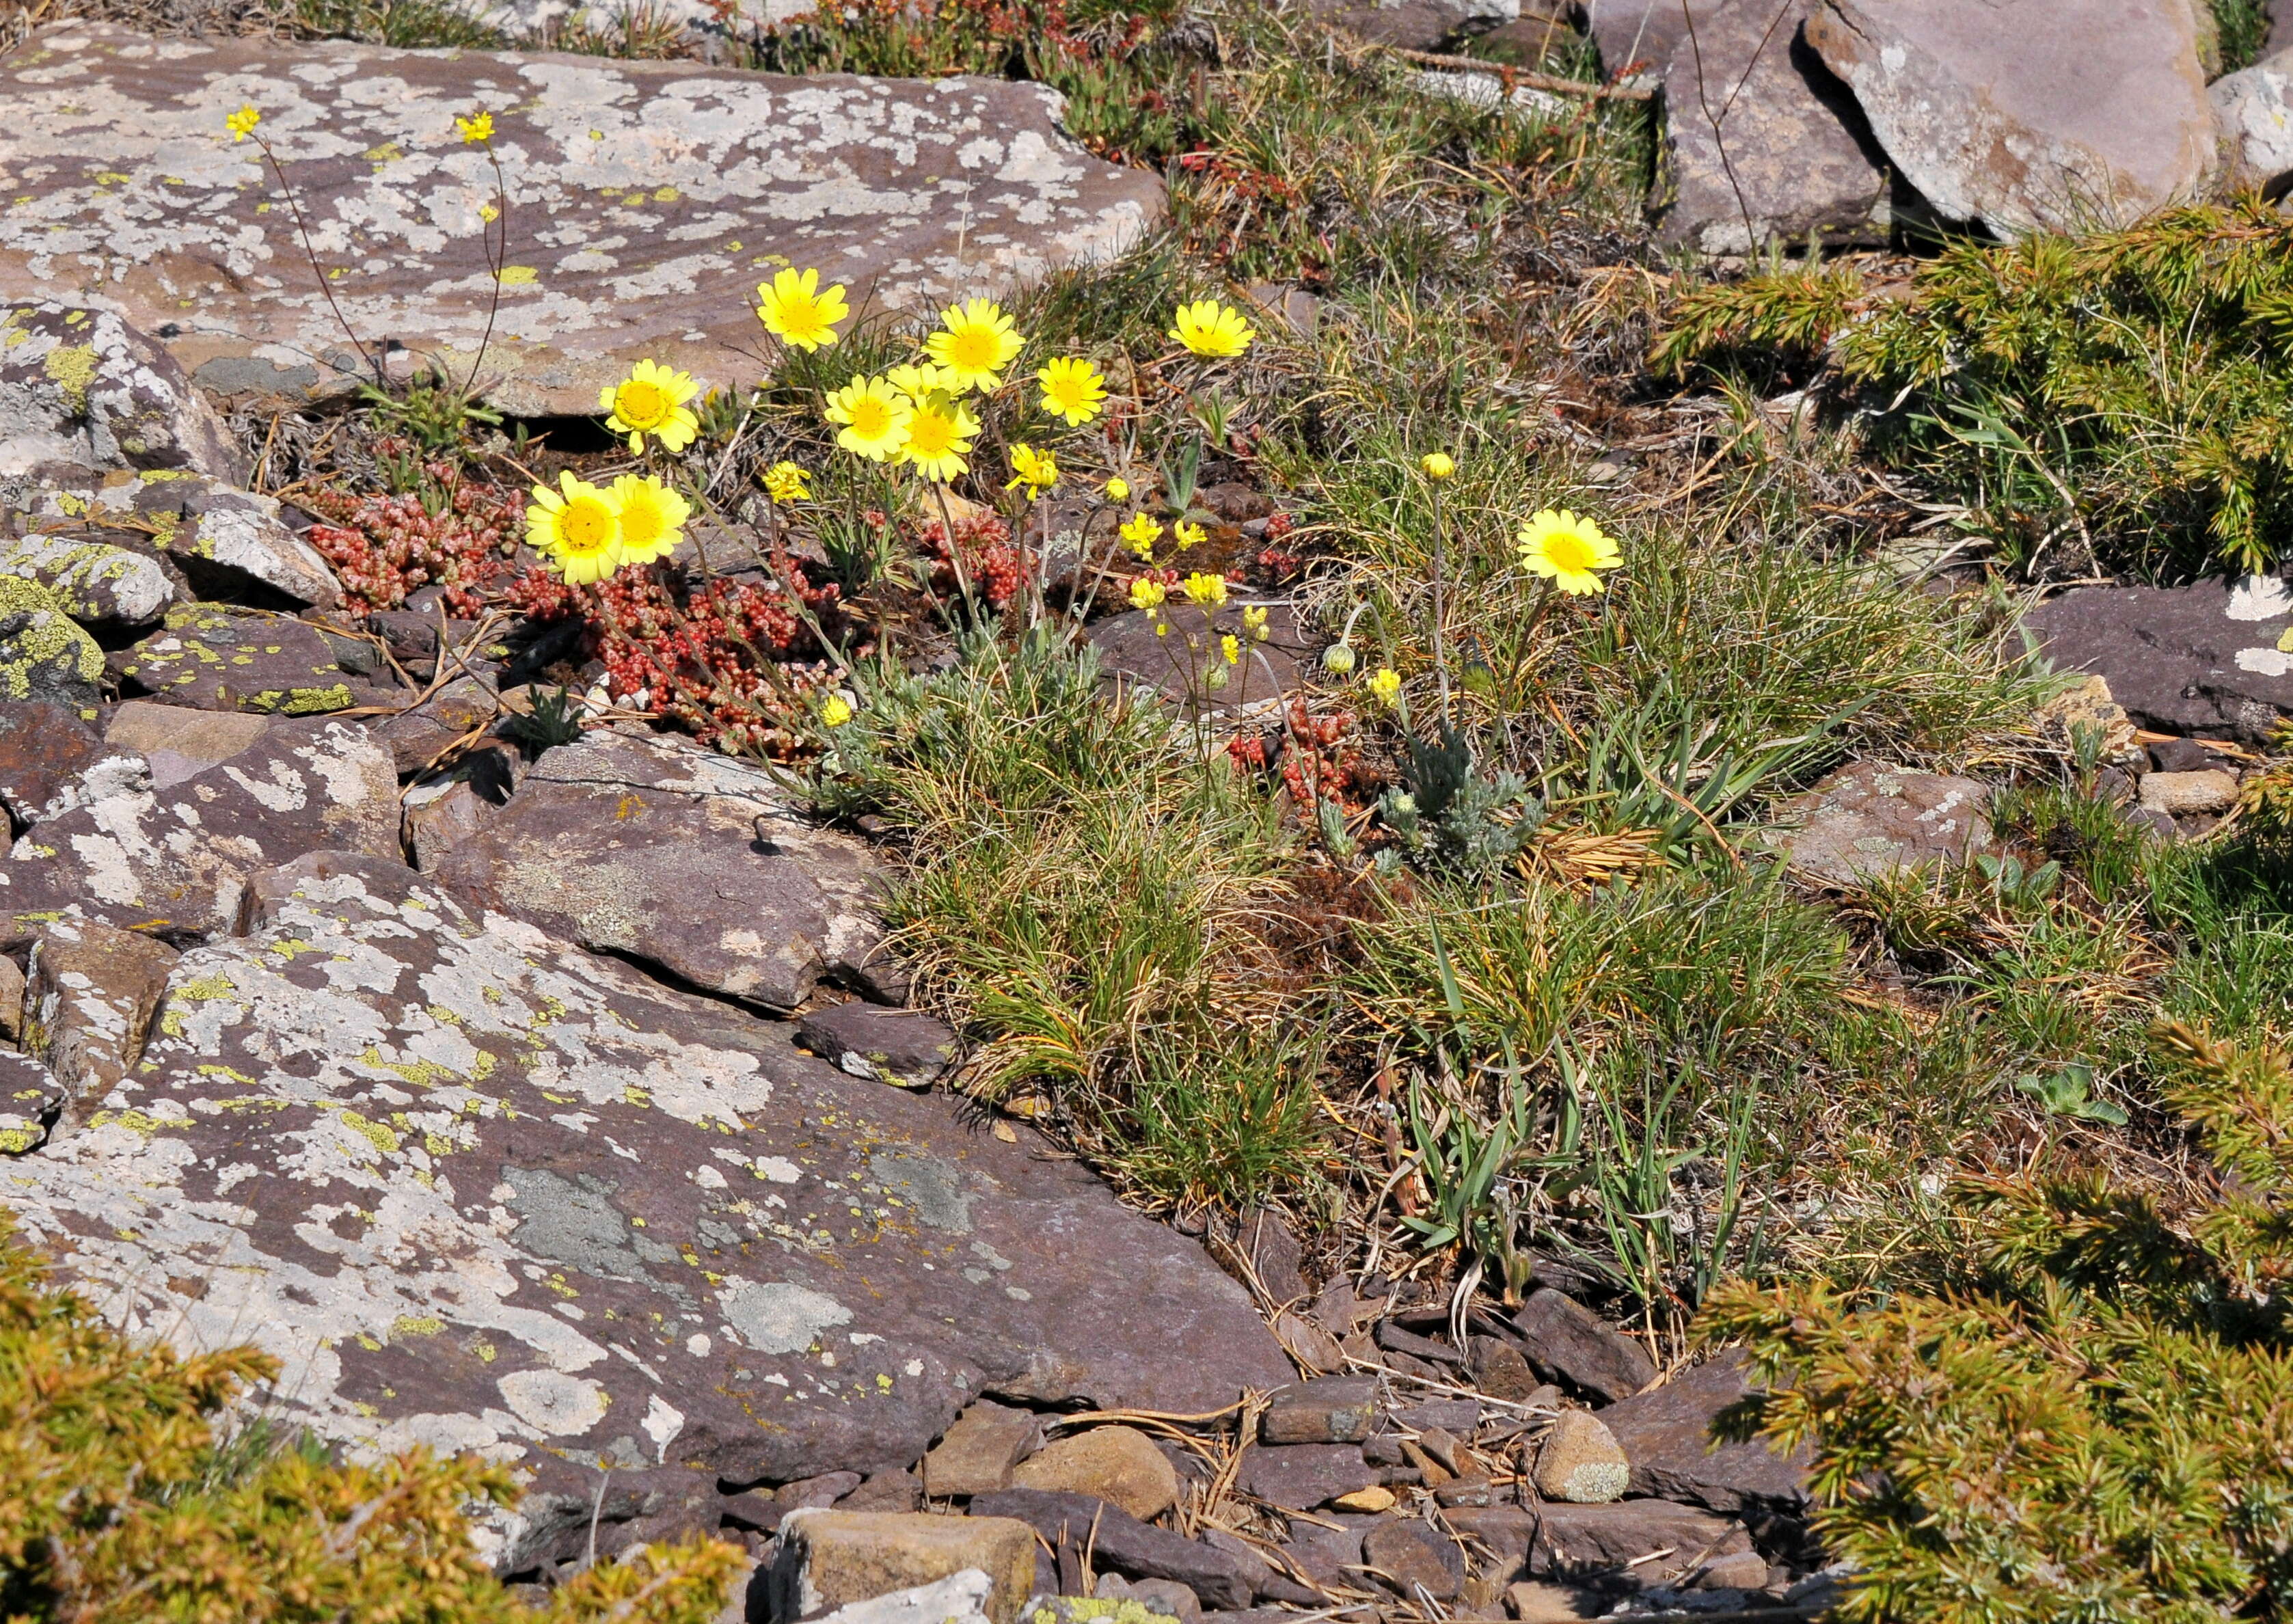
(1437, 465)
(1338, 660)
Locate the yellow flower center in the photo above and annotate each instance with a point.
(641, 404)
(642, 523)
(973, 349)
(1569, 553)
(871, 417)
(930, 434)
(586, 526)
(800, 313)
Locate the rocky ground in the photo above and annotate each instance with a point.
(547, 1052)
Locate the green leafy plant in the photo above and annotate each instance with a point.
(2091, 1421)
(553, 717)
(2070, 1092)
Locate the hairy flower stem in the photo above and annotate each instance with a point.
(496, 261)
(303, 231)
(1440, 609)
(955, 553)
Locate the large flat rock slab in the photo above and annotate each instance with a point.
(2206, 659)
(2029, 114)
(647, 199)
(478, 1189)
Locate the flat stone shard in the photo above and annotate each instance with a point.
(177, 857)
(218, 657)
(82, 386)
(478, 1189)
(2199, 659)
(2253, 122)
(647, 199)
(979, 1450)
(88, 1002)
(2029, 114)
(680, 858)
(98, 584)
(1667, 1432)
(1870, 819)
(52, 762)
(1763, 143)
(235, 541)
(1567, 1342)
(904, 1047)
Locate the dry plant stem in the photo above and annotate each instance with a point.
(955, 552)
(497, 258)
(303, 232)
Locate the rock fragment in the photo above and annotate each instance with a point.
(2188, 794)
(89, 998)
(904, 1047)
(52, 762)
(1567, 1342)
(978, 1452)
(43, 654)
(2200, 660)
(1329, 1410)
(30, 1098)
(97, 584)
(832, 1559)
(1871, 819)
(1118, 1464)
(1668, 1434)
(1412, 1556)
(221, 657)
(82, 386)
(1580, 1462)
(2253, 122)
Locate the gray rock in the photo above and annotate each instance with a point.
(2253, 123)
(2029, 114)
(1763, 143)
(178, 859)
(100, 585)
(1567, 1342)
(234, 543)
(1330, 1409)
(979, 1450)
(1870, 819)
(1137, 1550)
(1301, 1476)
(842, 1559)
(2199, 659)
(1667, 1432)
(2186, 794)
(478, 1189)
(177, 742)
(905, 1047)
(30, 1098)
(1184, 661)
(1648, 1542)
(1411, 1555)
(52, 762)
(959, 1598)
(650, 198)
(682, 858)
(43, 654)
(82, 386)
(221, 657)
(89, 997)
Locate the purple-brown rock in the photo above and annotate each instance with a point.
(1666, 1434)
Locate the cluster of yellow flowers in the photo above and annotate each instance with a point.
(587, 531)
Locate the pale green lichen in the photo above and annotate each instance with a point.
(71, 368)
(47, 642)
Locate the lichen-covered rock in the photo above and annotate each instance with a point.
(648, 199)
(176, 859)
(43, 654)
(1871, 820)
(478, 1189)
(904, 1047)
(83, 386)
(679, 857)
(1579, 1462)
(51, 761)
(2029, 114)
(99, 585)
(218, 657)
(2253, 124)
(88, 1002)
(30, 1098)
(228, 542)
(2205, 658)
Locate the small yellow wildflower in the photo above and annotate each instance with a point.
(1208, 590)
(577, 527)
(1569, 551)
(799, 311)
(651, 517)
(241, 124)
(940, 430)
(916, 380)
(976, 341)
(1253, 621)
(476, 130)
(1231, 647)
(787, 481)
(1148, 594)
(1073, 389)
(1209, 328)
(1186, 534)
(834, 711)
(651, 401)
(1140, 533)
(873, 416)
(1118, 490)
(1438, 465)
(1038, 471)
(1385, 685)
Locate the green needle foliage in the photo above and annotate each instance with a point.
(2097, 1425)
(2131, 388)
(117, 1505)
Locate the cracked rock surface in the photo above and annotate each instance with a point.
(646, 200)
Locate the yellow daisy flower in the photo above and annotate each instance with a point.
(786, 482)
(241, 124)
(476, 130)
(1038, 471)
(916, 380)
(1148, 594)
(1210, 328)
(1438, 465)
(653, 517)
(1208, 590)
(577, 527)
(939, 434)
(799, 311)
(976, 341)
(651, 401)
(873, 418)
(1569, 551)
(1118, 490)
(1385, 685)
(1140, 533)
(834, 711)
(1186, 534)
(1073, 389)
